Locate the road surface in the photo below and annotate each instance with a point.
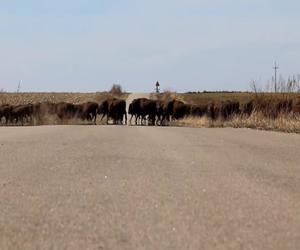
(121, 187)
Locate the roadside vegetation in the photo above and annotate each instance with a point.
(268, 111)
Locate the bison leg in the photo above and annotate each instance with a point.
(95, 118)
(164, 120)
(17, 120)
(22, 120)
(144, 119)
(158, 120)
(125, 118)
(29, 119)
(130, 119)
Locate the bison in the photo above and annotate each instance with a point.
(229, 109)
(20, 113)
(175, 109)
(5, 111)
(113, 108)
(89, 111)
(84, 111)
(160, 112)
(213, 111)
(143, 108)
(65, 110)
(248, 108)
(199, 110)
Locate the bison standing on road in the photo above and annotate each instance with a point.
(180, 110)
(65, 111)
(134, 110)
(84, 111)
(160, 111)
(144, 109)
(113, 108)
(89, 111)
(175, 109)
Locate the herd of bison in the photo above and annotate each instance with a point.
(142, 111)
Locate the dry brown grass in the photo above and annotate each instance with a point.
(284, 122)
(241, 97)
(25, 98)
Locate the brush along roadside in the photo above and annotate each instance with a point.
(284, 122)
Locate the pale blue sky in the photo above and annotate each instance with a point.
(86, 45)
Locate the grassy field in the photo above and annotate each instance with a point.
(241, 97)
(25, 98)
(191, 98)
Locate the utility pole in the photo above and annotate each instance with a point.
(276, 67)
(19, 86)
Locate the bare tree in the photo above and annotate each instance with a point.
(116, 89)
(254, 87)
(284, 85)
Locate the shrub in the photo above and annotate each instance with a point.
(116, 89)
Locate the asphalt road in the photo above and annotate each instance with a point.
(121, 187)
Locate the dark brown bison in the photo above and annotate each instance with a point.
(161, 108)
(175, 110)
(84, 111)
(134, 110)
(114, 109)
(88, 111)
(65, 110)
(229, 109)
(272, 107)
(199, 110)
(248, 108)
(213, 111)
(5, 111)
(144, 109)
(180, 110)
(21, 113)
